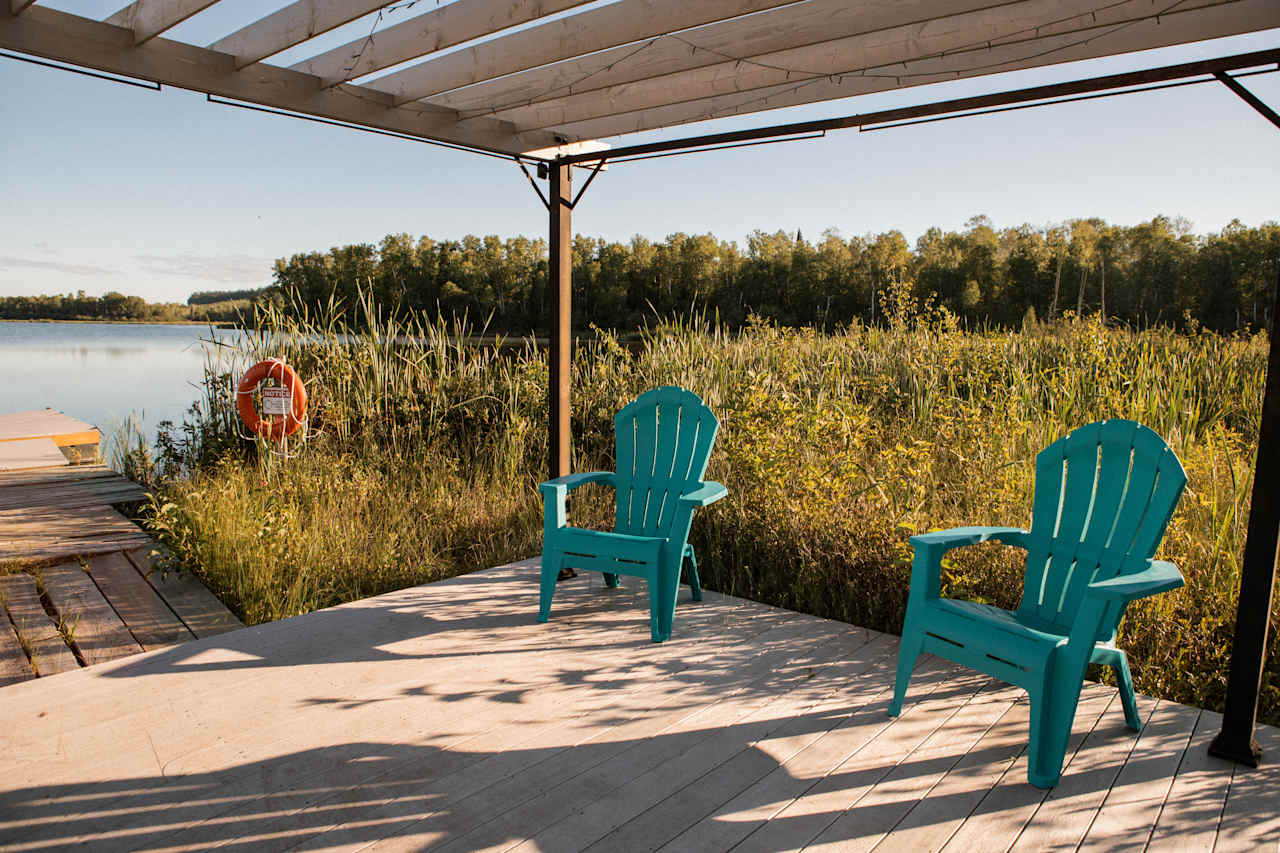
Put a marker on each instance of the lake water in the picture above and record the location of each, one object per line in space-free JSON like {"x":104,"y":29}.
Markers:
{"x":104,"y":373}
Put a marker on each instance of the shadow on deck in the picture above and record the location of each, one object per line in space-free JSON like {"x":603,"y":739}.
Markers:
{"x":443,"y":716}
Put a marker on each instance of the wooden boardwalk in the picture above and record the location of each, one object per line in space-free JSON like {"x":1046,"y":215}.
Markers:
{"x":444,"y":717}
{"x":81,"y":588}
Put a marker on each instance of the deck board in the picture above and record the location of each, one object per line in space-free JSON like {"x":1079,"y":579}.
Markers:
{"x":445,"y":716}
{"x":143,"y":611}
{"x":1132,"y":805}
{"x":1251,"y":815}
{"x":66,"y":487}
{"x":53,"y":532}
{"x":22,"y":600}
{"x":63,"y":430}
{"x":1188,"y":821}
{"x":14,"y":666}
{"x":198,"y":608}
{"x":21,"y":454}
{"x":96,"y":630}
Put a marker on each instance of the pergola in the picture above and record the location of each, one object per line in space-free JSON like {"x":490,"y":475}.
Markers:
{"x":539,"y":82}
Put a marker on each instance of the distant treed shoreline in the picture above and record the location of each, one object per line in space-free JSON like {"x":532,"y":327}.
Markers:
{"x":117,"y":308}
{"x":1153,"y":273}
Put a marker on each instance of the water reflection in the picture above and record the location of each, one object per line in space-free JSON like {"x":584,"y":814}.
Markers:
{"x":104,"y":373}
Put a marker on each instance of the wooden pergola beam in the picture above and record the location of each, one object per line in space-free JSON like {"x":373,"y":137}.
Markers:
{"x":592,"y":30}
{"x":461,"y":21}
{"x":1007,"y":34}
{"x":766,"y":32}
{"x":1241,"y":16}
{"x":64,"y":37}
{"x":291,"y":25}
{"x":956,"y":106}
{"x":150,"y":18}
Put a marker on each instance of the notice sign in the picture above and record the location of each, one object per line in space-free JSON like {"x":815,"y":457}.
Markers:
{"x":276,"y":401}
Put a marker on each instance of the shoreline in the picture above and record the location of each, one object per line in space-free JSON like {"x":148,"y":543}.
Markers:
{"x":221,"y":324}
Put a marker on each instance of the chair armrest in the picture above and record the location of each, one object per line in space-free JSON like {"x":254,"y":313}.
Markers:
{"x":708,"y":493}
{"x":569,"y":482}
{"x":1158,"y":576}
{"x":926,"y":569}
{"x":958,"y":537}
{"x":555,"y":495}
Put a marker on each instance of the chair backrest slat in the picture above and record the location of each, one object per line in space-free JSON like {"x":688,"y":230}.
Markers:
{"x":664,"y":441}
{"x":1104,"y":494}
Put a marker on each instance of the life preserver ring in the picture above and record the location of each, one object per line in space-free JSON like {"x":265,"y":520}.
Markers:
{"x":271,"y":426}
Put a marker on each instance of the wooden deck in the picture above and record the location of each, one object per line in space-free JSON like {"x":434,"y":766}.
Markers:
{"x":86,"y":590}
{"x":53,"y":513}
{"x":443,"y":716}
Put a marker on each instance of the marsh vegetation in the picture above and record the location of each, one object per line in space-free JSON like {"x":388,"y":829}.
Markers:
{"x":425,"y":453}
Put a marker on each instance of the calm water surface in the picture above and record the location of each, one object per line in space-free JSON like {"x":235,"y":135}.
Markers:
{"x":104,"y":373}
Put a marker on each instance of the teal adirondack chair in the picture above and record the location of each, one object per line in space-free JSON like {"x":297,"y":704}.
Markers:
{"x":1103,"y":497}
{"x":663,"y":442}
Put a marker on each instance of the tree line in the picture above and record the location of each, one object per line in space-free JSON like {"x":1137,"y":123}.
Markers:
{"x":113,"y":306}
{"x":1153,"y":273}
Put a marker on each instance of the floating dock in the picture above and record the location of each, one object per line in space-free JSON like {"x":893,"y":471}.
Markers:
{"x":37,"y":439}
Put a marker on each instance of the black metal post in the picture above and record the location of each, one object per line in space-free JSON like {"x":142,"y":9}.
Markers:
{"x":559,"y":282}
{"x":1257,"y":575}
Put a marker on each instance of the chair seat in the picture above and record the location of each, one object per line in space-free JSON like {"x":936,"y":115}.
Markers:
{"x":992,"y":631}
{"x":600,"y":550}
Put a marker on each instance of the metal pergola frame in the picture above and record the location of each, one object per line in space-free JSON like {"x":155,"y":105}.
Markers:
{"x":498,"y":80}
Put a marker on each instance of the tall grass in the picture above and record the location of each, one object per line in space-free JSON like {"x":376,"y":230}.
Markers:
{"x":426,"y":452}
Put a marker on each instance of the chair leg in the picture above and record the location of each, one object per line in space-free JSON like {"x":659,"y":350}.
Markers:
{"x":908,"y":653}
{"x":610,"y":580}
{"x":667,"y":584}
{"x":695,"y":586}
{"x":1042,"y":770}
{"x":655,"y":610}
{"x":1119,"y":663}
{"x":551,"y":561}
{"x":1053,"y":711}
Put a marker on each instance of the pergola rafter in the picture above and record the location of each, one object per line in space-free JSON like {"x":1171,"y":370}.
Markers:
{"x":871,"y":62}
{"x":294,"y":24}
{"x":556,"y":41}
{"x":750,"y":36}
{"x":494,"y":76}
{"x":150,"y":18}
{"x":512,"y":76}
{"x":445,"y":27}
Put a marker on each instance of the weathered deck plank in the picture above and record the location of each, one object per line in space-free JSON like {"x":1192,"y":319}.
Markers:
{"x":50,"y":651}
{"x":145,"y":614}
{"x":75,"y":485}
{"x":14,"y":666}
{"x":96,"y":631}
{"x":444,"y":715}
{"x":51,"y":532}
{"x":200,"y":610}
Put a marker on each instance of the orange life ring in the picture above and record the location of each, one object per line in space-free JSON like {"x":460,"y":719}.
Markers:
{"x":271,"y":426}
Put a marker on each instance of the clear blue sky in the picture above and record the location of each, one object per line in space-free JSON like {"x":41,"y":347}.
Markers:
{"x":107,"y":187}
